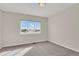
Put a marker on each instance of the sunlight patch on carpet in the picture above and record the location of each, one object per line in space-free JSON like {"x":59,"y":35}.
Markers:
{"x":16,"y":52}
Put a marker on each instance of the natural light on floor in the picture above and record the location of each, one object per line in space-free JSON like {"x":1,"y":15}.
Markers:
{"x":17,"y":52}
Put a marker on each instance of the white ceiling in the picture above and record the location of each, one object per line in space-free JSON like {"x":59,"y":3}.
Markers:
{"x":34,"y":8}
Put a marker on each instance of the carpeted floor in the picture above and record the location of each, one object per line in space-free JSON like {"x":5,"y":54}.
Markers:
{"x":38,"y":49}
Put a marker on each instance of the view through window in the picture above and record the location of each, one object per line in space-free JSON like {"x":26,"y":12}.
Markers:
{"x":29,"y":27}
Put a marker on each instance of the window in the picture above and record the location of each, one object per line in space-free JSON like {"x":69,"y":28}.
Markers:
{"x":30,"y":27}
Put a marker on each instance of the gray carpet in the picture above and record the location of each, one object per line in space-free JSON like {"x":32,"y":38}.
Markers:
{"x":50,"y":49}
{"x":40,"y":49}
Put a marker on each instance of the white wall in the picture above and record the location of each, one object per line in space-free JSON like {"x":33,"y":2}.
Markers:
{"x":11,"y":32}
{"x":64,"y":28}
{"x":1,"y":28}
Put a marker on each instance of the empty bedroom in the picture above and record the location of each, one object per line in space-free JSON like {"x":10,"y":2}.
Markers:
{"x":39,"y":29}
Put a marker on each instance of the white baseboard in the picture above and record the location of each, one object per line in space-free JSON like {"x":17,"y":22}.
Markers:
{"x":65,"y":46}
{"x":24,"y":43}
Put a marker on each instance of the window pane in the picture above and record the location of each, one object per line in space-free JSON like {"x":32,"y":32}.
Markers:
{"x":30,"y":26}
